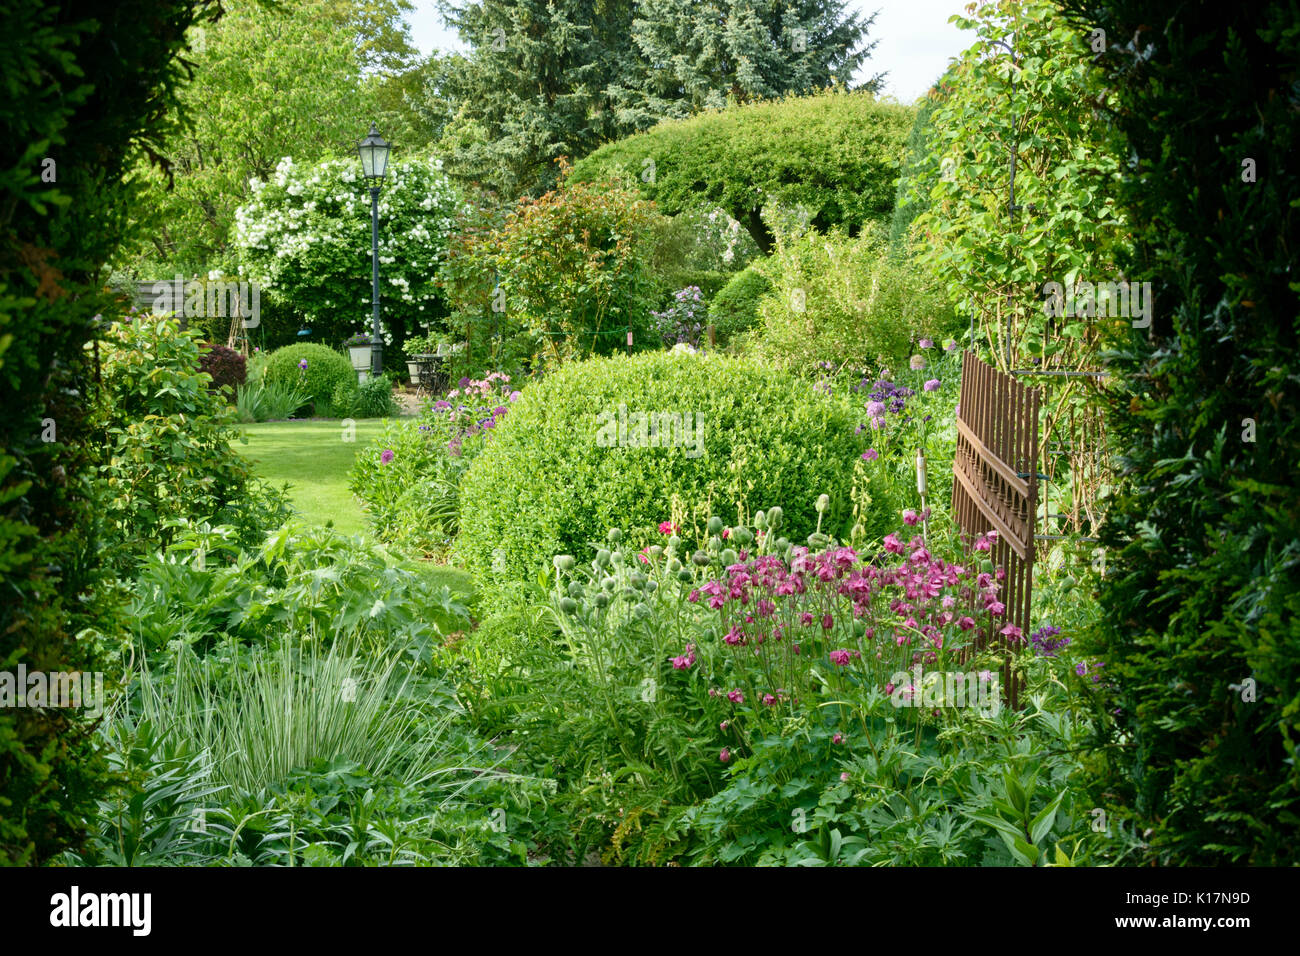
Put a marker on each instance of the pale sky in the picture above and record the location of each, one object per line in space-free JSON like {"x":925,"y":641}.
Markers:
{"x":916,"y":40}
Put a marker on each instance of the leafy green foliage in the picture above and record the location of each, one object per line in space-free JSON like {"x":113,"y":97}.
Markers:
{"x":835,"y":155}
{"x":1202,"y":638}
{"x":166,"y":456}
{"x":269,"y":82}
{"x":409,"y":478}
{"x":326,"y":372}
{"x":83,"y":92}
{"x":572,"y":271}
{"x":545,"y":484}
{"x":259,"y":401}
{"x":841,"y":300}
{"x":693,"y":57}
{"x":734,"y":310}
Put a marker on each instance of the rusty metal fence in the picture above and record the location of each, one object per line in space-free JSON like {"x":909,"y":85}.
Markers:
{"x":995,"y":488}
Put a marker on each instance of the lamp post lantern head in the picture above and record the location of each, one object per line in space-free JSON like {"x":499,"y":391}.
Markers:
{"x":374,"y":156}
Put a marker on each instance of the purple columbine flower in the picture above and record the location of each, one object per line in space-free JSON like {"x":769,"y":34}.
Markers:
{"x":464,"y":381}
{"x":870,"y":455}
{"x":302,"y":364}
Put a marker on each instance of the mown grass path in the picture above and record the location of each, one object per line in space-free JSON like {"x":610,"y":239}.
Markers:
{"x":313,"y":457}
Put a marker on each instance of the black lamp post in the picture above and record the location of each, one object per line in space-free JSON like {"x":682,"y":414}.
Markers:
{"x":374,"y":164}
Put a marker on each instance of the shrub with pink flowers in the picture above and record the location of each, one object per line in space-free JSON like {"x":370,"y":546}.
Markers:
{"x":746,"y":678}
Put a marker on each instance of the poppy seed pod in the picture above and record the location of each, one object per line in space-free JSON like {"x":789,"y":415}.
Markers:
{"x":617,"y":558}
{"x":568,"y":605}
{"x":602,"y":558}
{"x":614,"y":536}
{"x":774,"y":516}
{"x":728,"y":557}
{"x":700,"y":558}
{"x":760,"y":521}
{"x":601,"y":600}
{"x":715,"y":525}
{"x":563,"y":562}
{"x":823,"y":502}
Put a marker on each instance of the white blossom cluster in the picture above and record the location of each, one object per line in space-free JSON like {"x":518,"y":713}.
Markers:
{"x":305,"y":234}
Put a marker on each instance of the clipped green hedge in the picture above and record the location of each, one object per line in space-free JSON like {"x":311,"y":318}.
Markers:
{"x":327,"y":373}
{"x":545,"y":485}
{"x":1202,"y":591}
{"x":735,"y":308}
{"x":837,"y":154}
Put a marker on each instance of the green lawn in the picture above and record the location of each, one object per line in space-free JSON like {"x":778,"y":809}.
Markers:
{"x":313,"y":457}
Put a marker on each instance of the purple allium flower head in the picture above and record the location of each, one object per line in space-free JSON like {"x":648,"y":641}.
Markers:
{"x":932,"y":385}
{"x":927,"y":343}
{"x":386,"y":456}
{"x":870,"y":454}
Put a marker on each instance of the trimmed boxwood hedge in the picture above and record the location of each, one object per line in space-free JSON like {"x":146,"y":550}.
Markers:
{"x":544,"y":486}
{"x":837,"y":154}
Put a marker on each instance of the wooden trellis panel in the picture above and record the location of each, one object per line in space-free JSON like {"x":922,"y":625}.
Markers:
{"x":995,"y":488}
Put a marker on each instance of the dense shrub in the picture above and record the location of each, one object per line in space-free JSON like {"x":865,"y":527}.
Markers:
{"x":547,"y":484}
{"x":735,"y":308}
{"x":837,"y":155}
{"x":226,"y":366}
{"x":573,"y":270}
{"x":841,"y":300}
{"x":167,"y":458}
{"x":699,"y":247}
{"x":84,"y":90}
{"x":1202,"y":594}
{"x":317,"y":369}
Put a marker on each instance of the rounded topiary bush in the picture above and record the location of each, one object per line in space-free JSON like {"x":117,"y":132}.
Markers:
{"x":558,"y":473}
{"x":326,"y":372}
{"x":735,"y":308}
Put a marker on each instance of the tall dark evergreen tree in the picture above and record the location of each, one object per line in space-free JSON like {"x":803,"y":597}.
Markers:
{"x":559,"y":77}
{"x":532,"y":90}
{"x":693,"y":56}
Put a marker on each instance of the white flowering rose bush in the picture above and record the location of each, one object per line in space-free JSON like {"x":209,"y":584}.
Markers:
{"x":304,"y":237}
